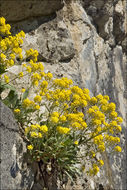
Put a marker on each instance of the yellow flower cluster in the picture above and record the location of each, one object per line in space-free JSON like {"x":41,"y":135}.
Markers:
{"x":4,"y":28}
{"x":36,"y":131}
{"x":94,"y":170}
{"x":43,"y":128}
{"x":32,"y":54}
{"x":63,"y":130}
{"x":55,"y":117}
{"x":30,"y":147}
{"x":27,"y":103}
{"x":37,"y":98}
{"x":111,"y":140}
{"x":10,"y":48}
{"x":98,"y":140}
{"x":70,"y":111}
{"x":63,"y":83}
{"x":11,"y":53}
{"x":101,"y":162}
{"x":66,"y":98}
{"x":6,"y":78}
{"x":118,"y":149}
{"x":17,"y":110}
{"x":95,"y":167}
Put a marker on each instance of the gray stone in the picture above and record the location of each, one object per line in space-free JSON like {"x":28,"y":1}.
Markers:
{"x":14,"y":172}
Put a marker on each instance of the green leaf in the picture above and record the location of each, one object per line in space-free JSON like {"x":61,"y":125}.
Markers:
{"x":11,"y":99}
{"x":2,"y":70}
{"x":69,"y":176}
{"x":6,"y":86}
{"x":30,"y":110}
{"x":1,"y":89}
{"x":25,"y":94}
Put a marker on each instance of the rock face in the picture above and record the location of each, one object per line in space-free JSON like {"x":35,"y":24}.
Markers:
{"x":21,"y":10}
{"x":13,"y":170}
{"x":85,"y":41}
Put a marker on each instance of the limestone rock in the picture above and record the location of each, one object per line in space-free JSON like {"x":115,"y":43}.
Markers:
{"x":20,"y":10}
{"x":14,"y":171}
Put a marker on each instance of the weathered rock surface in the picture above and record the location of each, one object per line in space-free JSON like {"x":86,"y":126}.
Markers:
{"x":85,"y":41}
{"x":20,"y":10}
{"x":14,"y":172}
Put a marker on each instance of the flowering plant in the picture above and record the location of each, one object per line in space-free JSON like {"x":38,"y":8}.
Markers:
{"x":62,"y":124}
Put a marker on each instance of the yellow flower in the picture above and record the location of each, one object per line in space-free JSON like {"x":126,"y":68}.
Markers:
{"x":76,"y":142}
{"x":37,"y":107}
{"x":118,"y":128}
{"x":34,"y":127}
{"x":2,"y":21}
{"x":113,"y":114}
{"x":2,"y":56}
{"x":6,"y":78}
{"x":11,"y":62}
{"x":93,"y":100}
{"x":20,"y":56}
{"x":95,"y":169}
{"x":44,"y":84}
{"x":116,"y":139}
{"x":54,"y":119}
{"x":111,"y":106}
{"x":27,"y":129}
{"x":106,"y":97}
{"x":84,"y":103}
{"x":20,"y":74}
{"x":42,"y":93}
{"x":48,"y":76}
{"x":28,"y":69}
{"x":48,"y":97}
{"x":30,"y":147}
{"x":44,"y":128}
{"x":35,"y":83}
{"x":21,"y":34}
{"x":118,"y":149}
{"x":76,"y":125}
{"x":34,"y":134}
{"x":23,"y":90}
{"x":103,"y":108}
{"x":26,"y":102}
{"x":24,"y":64}
{"x":39,"y":135}
{"x":99,"y":97}
{"x":65,"y":106}
{"x":96,"y":122}
{"x":119,"y":119}
{"x":86,"y":91}
{"x":17,"y":110}
{"x":36,"y":76}
{"x":113,"y":123}
{"x":101,"y":162}
{"x":62,"y":118}
{"x":63,"y":130}
{"x":101,"y":147}
{"x":40,"y":66}
{"x":42,"y":74}
{"x":93,"y":154}
{"x":104,"y":102}
{"x":55,"y":114}
{"x":37,"y":98}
